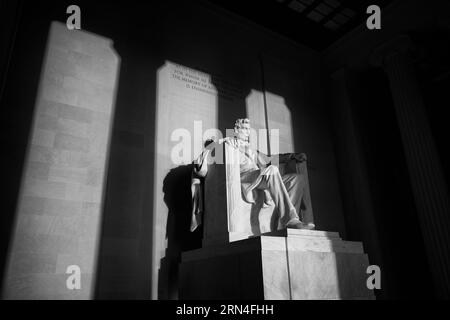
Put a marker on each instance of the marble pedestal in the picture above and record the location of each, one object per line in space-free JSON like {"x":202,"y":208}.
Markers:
{"x":286,"y":264}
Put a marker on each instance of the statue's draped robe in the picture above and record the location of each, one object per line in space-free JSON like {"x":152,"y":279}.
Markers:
{"x":257,"y":177}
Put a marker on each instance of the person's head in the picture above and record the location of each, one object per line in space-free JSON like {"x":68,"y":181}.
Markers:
{"x":242,"y":129}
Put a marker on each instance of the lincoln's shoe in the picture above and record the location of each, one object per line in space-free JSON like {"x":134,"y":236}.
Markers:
{"x":297,"y":224}
{"x":309,"y":226}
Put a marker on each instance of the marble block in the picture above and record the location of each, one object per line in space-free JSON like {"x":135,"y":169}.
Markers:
{"x":287,"y":264}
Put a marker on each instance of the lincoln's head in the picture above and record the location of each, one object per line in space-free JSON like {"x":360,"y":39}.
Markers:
{"x":242,"y":129}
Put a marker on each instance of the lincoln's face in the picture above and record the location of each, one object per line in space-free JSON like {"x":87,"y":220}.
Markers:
{"x":243,"y":131}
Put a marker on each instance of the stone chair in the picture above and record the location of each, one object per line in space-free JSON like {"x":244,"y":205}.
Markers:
{"x":227,"y":217}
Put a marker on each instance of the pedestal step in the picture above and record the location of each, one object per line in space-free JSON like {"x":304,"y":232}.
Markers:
{"x":237,"y":236}
{"x":287,"y":264}
{"x":303,"y":233}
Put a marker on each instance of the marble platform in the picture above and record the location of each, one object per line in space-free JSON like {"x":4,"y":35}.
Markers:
{"x":288,"y":264}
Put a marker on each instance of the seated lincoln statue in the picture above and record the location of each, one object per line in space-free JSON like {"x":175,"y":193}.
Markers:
{"x":259,"y":177}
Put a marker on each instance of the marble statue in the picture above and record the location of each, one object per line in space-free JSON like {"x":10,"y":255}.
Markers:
{"x":259,"y":178}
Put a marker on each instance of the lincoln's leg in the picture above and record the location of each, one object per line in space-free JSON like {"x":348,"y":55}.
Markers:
{"x":273,"y":181}
{"x":294,"y":184}
{"x":307,"y":213}
{"x":296,"y":188}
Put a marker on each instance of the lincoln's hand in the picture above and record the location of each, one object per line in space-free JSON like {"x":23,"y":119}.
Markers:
{"x":283,"y":157}
{"x":300,"y":157}
{"x":286,"y":157}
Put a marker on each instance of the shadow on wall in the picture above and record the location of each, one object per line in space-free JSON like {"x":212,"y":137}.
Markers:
{"x":378,"y":143}
{"x":401,"y":238}
{"x":125,"y":250}
{"x":124,"y":260}
{"x":18,"y":91}
{"x":177,"y":197}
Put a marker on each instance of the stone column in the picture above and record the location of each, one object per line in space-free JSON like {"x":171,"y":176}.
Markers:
{"x":426,"y":174}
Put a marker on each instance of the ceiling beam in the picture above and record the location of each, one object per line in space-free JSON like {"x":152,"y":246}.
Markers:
{"x":311,"y":7}
{"x":332,"y":14}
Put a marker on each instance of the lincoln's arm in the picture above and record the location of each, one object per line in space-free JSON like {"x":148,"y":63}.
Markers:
{"x":263,"y":159}
{"x":281,"y":158}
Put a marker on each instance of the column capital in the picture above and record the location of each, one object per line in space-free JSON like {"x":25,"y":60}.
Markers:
{"x":399,"y":45}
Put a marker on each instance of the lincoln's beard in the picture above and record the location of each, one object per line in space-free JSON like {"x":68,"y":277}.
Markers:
{"x":243,"y":138}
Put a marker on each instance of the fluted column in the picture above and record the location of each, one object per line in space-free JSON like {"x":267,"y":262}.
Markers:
{"x":427,"y":177}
